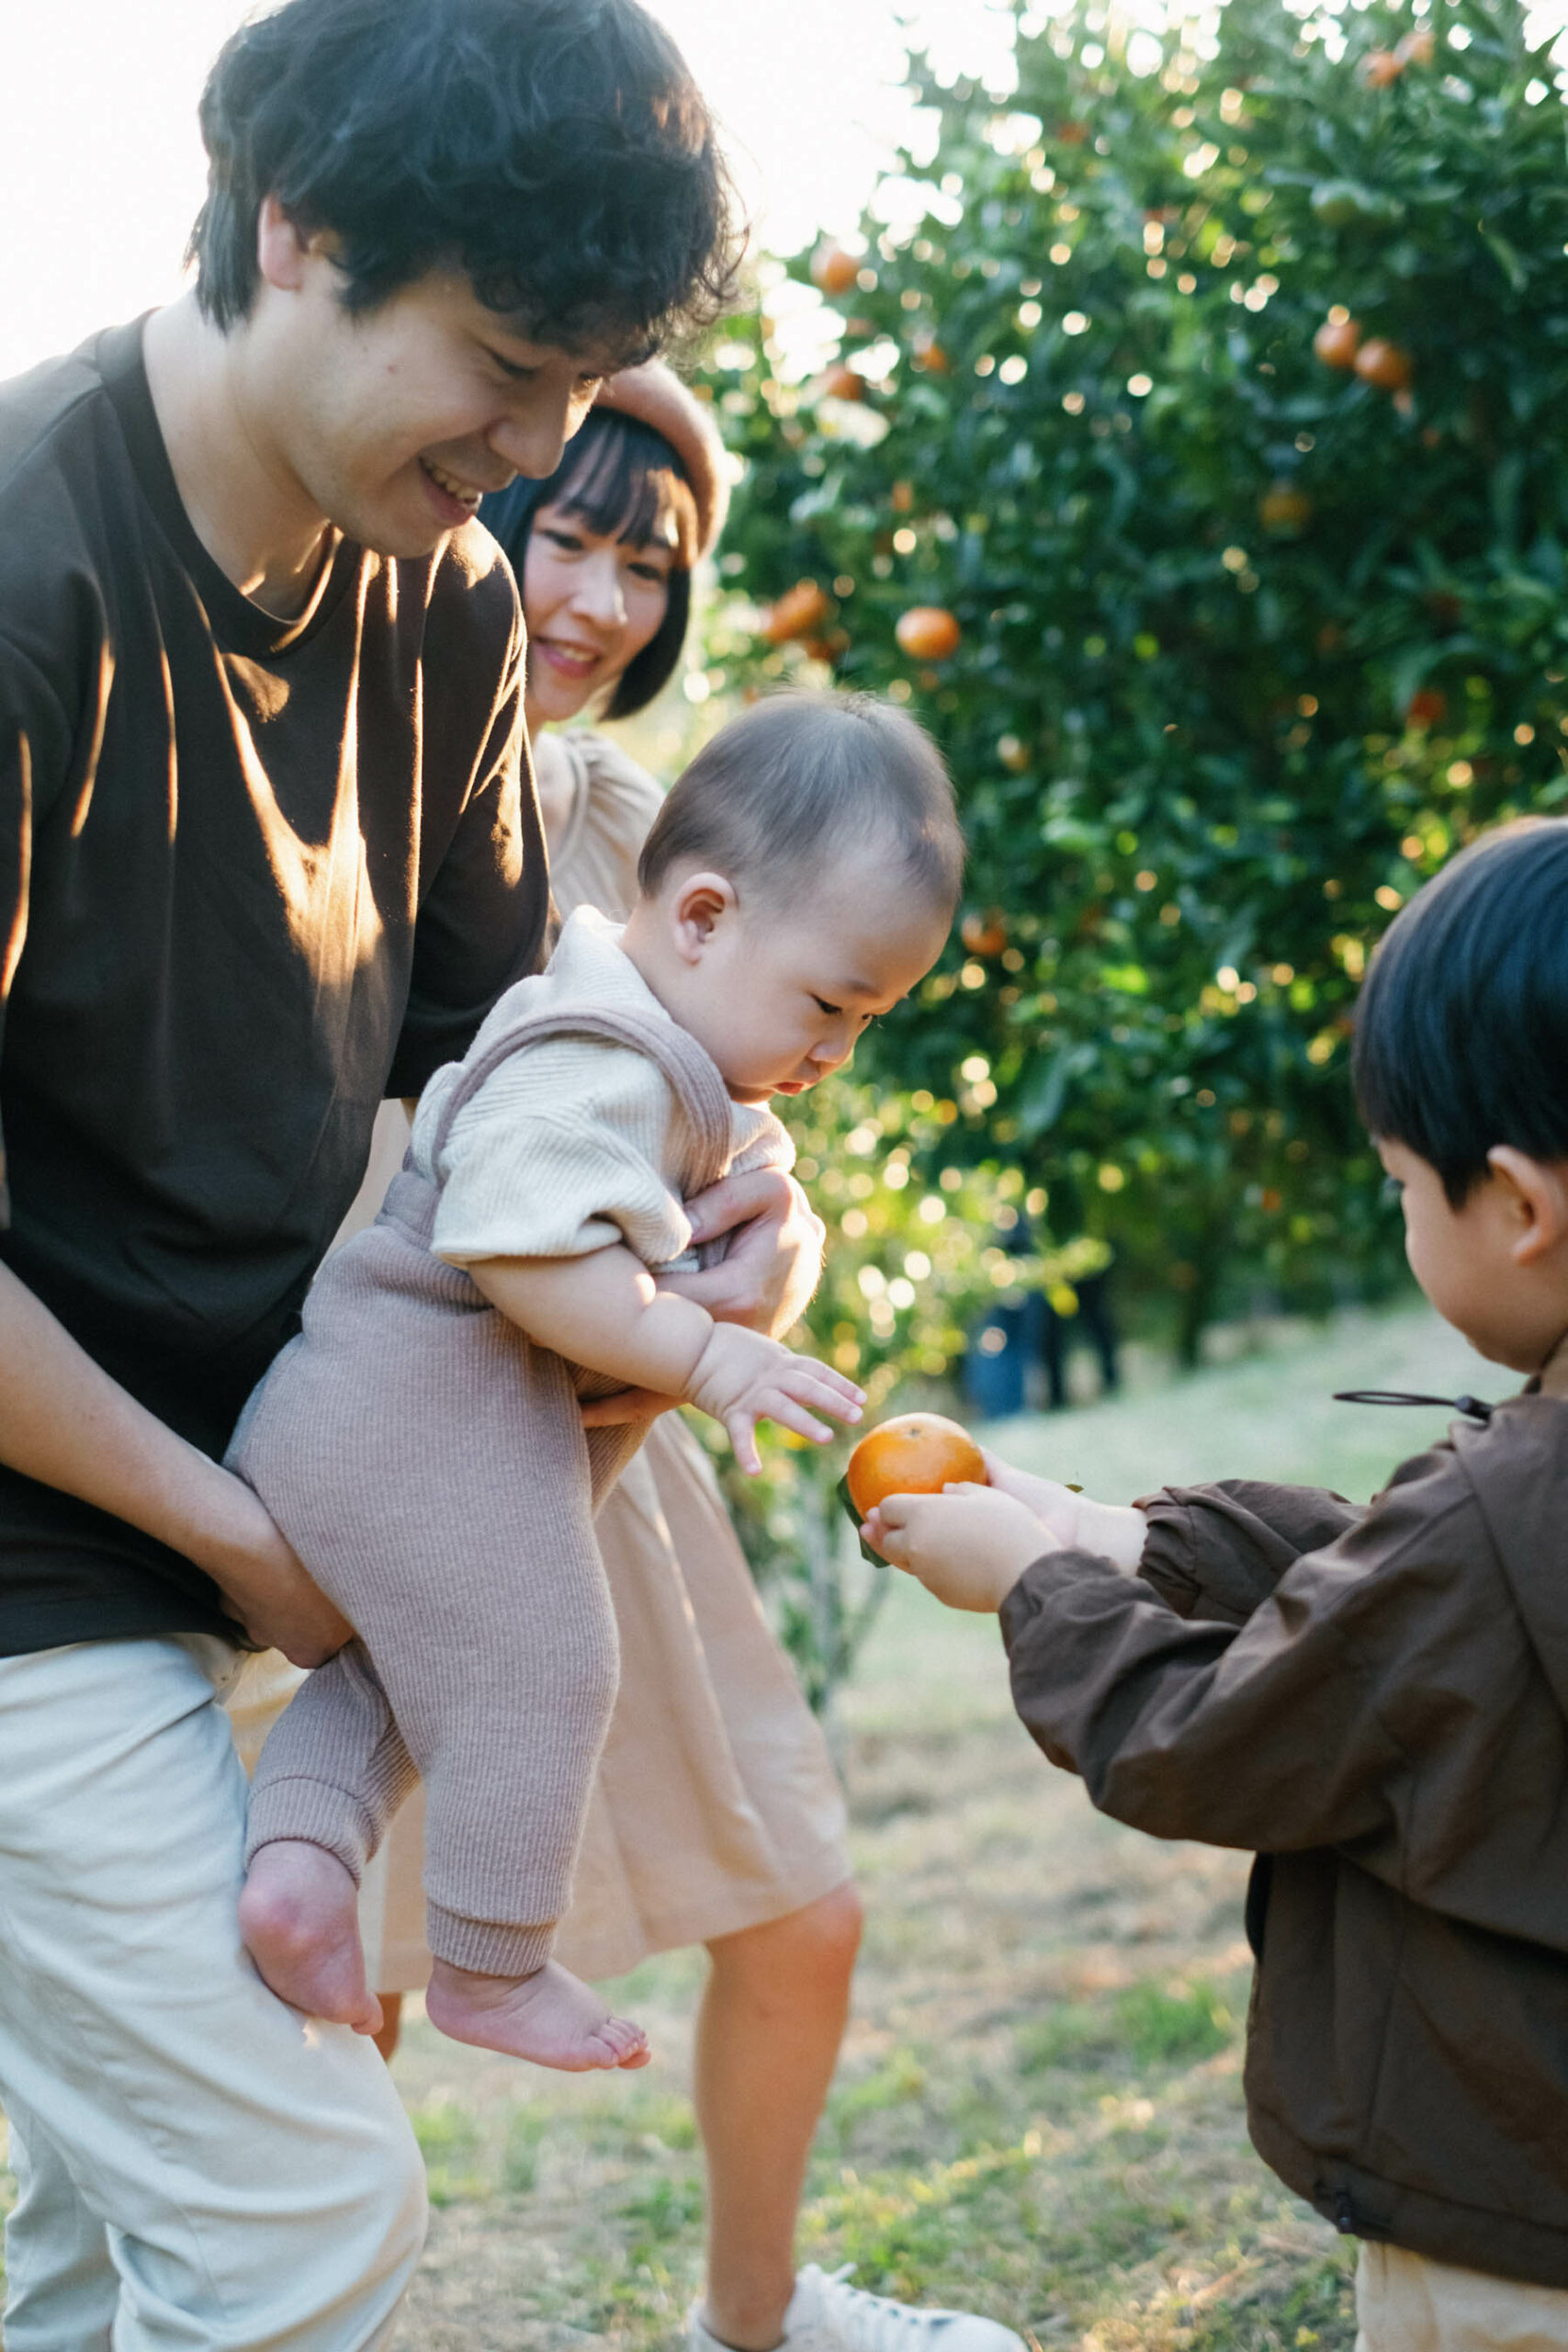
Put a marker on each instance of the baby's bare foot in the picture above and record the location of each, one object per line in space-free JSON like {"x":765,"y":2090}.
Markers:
{"x":300,"y":1920}
{"x":551,"y":2017}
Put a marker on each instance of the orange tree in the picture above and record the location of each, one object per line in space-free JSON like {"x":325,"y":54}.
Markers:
{"x":1232,"y":643}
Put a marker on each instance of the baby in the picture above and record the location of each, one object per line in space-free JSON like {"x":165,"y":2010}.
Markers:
{"x":421,"y":1443}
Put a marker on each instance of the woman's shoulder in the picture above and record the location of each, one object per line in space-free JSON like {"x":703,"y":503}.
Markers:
{"x":614,"y":777}
{"x":617,"y":802}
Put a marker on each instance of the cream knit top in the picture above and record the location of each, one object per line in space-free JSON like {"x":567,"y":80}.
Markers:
{"x":575,"y":1143}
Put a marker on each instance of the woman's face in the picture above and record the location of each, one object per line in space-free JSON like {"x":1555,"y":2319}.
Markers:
{"x":591,"y":602}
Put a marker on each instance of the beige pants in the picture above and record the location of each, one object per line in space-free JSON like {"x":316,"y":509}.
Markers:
{"x":1406,"y":2303}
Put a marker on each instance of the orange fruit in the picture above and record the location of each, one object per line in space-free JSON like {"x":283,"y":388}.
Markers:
{"x":844,"y":384}
{"x":1284,"y":509}
{"x":926,"y":354}
{"x":1426,"y":707}
{"x":1384,"y":364}
{"x":799,"y":611}
{"x":928,"y":632}
{"x":1417,"y":48}
{"x":918,"y":1454}
{"x":1336,"y":342}
{"x":984,"y":934}
{"x":833,"y":271}
{"x":1382,"y":66}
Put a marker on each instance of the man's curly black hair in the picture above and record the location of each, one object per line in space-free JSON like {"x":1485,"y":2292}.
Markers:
{"x":557,"y":150}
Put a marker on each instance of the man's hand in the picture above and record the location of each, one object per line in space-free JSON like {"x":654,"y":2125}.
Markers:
{"x":263,"y":1584}
{"x":774,"y":1258}
{"x":743,"y":1377}
{"x":765,"y":1279}
{"x":968,"y":1545}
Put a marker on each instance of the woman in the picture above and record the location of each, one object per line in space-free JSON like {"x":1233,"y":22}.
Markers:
{"x":717,"y":1817}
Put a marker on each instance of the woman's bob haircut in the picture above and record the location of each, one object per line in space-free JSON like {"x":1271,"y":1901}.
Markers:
{"x":622,"y":480}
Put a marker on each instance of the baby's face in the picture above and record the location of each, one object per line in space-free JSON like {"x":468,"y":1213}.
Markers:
{"x":781,"y":996}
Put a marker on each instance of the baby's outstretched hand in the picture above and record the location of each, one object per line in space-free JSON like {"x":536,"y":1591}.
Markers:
{"x":968,"y":1545}
{"x":742,"y":1377}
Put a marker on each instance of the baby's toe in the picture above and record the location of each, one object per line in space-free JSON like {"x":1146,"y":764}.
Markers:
{"x":627,"y":2040}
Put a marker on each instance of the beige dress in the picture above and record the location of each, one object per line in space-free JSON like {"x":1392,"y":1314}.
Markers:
{"x":717,"y":1806}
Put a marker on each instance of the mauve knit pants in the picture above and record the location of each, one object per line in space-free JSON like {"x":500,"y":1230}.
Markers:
{"x":429,"y":1465}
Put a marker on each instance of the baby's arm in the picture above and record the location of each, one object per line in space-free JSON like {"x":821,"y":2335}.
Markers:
{"x":603,"y":1312}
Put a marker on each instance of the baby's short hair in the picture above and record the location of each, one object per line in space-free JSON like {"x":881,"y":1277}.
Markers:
{"x":1461,"y":1029}
{"x":801,"y":779}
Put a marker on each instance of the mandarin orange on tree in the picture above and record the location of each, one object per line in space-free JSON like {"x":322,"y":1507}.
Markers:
{"x":918,"y":1453}
{"x":984,"y":934}
{"x":833,"y":271}
{"x":798,"y":613}
{"x":1386,"y":365}
{"x":1336,"y":342}
{"x":928,"y":632}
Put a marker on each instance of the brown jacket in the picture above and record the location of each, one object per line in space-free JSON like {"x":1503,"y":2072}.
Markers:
{"x":1377,"y":1701}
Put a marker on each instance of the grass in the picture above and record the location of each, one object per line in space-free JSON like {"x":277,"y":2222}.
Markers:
{"x":1038,"y":2113}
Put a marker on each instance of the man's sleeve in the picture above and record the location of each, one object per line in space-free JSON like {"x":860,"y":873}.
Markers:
{"x":34,"y":747}
{"x":1281,"y":1735}
{"x":482,"y":921}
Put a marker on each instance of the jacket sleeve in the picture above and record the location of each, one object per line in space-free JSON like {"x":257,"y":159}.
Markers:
{"x":1291,"y":1731}
{"x":1218,"y":1551}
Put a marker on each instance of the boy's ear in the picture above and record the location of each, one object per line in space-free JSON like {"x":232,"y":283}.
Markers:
{"x":1540,"y":1188}
{"x":702,"y":902}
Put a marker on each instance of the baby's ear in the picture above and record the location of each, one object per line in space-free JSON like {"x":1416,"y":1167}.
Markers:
{"x":702,"y":903}
{"x":1539,"y":1200}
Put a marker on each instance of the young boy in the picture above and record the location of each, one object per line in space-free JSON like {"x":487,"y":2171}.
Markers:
{"x":421,"y":1443}
{"x":1376,"y":1700}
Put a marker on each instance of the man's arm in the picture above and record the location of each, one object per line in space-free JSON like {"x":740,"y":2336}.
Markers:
{"x":62,"y":1420}
{"x":65,"y":1422}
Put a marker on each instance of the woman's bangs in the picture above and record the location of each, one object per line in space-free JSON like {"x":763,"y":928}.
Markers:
{"x":628,"y":484}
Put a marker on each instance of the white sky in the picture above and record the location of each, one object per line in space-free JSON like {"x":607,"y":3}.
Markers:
{"x":101,"y":166}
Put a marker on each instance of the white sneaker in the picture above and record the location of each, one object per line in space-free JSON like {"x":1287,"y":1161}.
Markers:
{"x":826,"y":2314}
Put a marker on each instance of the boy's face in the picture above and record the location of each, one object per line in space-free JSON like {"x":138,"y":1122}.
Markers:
{"x":781,"y":996}
{"x":394,"y":424}
{"x":1496,"y":1268}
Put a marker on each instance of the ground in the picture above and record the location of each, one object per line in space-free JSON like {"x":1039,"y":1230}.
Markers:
{"x":1038,"y":2113}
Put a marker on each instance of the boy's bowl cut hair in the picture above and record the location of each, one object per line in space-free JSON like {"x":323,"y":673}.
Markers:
{"x":558,"y":152}
{"x":623,"y":480}
{"x":1462,"y":1027}
{"x":800,"y":780}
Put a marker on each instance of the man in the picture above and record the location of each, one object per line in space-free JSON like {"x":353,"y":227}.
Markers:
{"x":268,"y":851}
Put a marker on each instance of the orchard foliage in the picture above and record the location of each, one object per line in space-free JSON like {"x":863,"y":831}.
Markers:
{"x":1246,"y":643}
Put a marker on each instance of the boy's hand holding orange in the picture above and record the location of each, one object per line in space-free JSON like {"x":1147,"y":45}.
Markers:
{"x":921,"y":1483}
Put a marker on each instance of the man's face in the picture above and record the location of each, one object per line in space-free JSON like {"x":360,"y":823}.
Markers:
{"x":394,"y":424}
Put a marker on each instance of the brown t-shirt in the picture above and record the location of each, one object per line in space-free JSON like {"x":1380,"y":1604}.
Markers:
{"x":254,"y":877}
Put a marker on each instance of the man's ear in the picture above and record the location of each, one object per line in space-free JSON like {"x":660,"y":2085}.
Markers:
{"x":703,"y":903}
{"x":284,"y":253}
{"x":1539,"y":1203}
